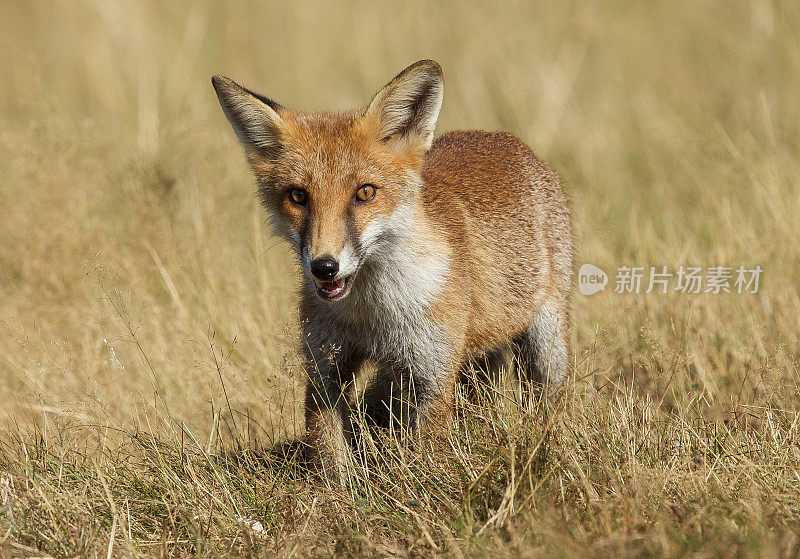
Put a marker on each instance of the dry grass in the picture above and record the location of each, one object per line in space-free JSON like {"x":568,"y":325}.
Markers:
{"x":147,"y":328}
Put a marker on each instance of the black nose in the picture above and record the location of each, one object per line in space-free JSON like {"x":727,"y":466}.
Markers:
{"x":324,"y":268}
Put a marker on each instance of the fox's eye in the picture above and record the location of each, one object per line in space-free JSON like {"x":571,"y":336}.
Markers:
{"x":365,"y":192}
{"x":298,"y":196}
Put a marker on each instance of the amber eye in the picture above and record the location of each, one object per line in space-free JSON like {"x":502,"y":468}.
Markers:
{"x":298,"y":196}
{"x":365,"y":192}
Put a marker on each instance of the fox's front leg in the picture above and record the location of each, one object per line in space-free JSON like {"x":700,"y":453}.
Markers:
{"x":331,"y":374}
{"x":415,"y":391}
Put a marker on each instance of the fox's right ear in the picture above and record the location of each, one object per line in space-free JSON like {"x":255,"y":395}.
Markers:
{"x":254,"y":118}
{"x":407,"y":108}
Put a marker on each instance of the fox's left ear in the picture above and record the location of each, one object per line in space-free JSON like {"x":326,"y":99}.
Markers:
{"x":406,"y":108}
{"x":254,"y":118}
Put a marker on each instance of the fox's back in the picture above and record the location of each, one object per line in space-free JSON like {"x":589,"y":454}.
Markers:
{"x":506,"y":217}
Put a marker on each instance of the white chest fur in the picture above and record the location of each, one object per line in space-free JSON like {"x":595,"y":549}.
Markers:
{"x":385,"y":315}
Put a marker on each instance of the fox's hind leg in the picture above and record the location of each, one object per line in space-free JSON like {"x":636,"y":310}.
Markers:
{"x":542,"y":353}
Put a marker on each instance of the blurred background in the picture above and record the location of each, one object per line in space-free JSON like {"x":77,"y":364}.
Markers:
{"x":138,"y":278}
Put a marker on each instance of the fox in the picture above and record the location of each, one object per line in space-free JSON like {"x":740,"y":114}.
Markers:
{"x":418,"y":255}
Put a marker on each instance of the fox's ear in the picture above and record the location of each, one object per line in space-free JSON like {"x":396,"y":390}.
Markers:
{"x":254,"y":118}
{"x":407,"y":107}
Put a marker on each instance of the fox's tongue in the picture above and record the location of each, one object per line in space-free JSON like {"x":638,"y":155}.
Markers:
{"x":332,"y":285}
{"x":332,"y":289}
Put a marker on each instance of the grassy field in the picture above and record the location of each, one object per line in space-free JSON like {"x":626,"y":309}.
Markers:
{"x":148,"y":353}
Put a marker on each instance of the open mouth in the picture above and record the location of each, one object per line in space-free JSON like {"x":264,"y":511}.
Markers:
{"x":333,"y":290}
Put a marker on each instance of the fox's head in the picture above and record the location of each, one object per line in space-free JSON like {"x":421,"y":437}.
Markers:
{"x":339,"y":187}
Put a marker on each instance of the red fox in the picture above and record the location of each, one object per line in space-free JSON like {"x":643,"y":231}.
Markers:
{"x":417,"y":254}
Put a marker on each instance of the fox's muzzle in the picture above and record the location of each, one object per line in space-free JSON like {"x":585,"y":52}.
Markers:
{"x":324,"y":268}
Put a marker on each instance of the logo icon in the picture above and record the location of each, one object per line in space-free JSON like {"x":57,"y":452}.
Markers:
{"x":591,"y":279}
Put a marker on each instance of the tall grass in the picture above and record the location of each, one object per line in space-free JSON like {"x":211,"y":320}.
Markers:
{"x":148,"y":353}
